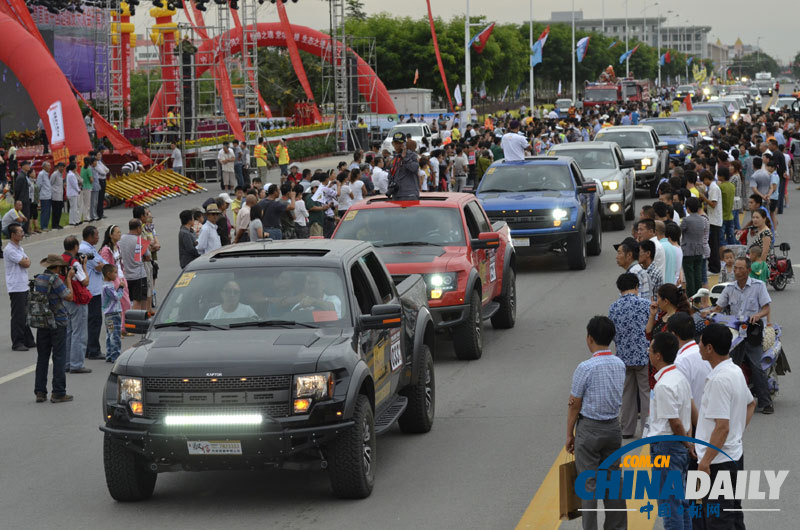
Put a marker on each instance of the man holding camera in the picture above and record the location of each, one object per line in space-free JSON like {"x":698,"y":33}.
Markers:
{"x":404,"y":174}
{"x":94,"y":266}
{"x":77,"y":308}
{"x":747,"y":299}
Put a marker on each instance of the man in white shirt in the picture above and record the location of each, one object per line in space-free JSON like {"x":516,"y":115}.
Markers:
{"x":208,"y":239}
{"x":227,"y":158}
{"x":725,"y":412}
{"x":100,"y":171}
{"x":380,"y":177}
{"x":177,"y":159}
{"x":712,"y":202}
{"x":670,"y":414}
{"x":17,"y":264}
{"x":689,"y":361}
{"x":513,"y":143}
{"x":243,"y":219}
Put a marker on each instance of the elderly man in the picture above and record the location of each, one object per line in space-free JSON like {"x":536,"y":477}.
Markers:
{"x":208,"y":239}
{"x":243,"y":219}
{"x":747,"y":299}
{"x":45,"y":196}
{"x":17,"y":263}
{"x":593,"y":429}
{"x":94,"y":266}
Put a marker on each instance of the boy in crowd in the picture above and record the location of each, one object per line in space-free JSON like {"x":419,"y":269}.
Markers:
{"x":759,"y":269}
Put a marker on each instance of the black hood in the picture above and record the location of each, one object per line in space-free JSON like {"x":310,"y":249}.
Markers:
{"x":240,"y":352}
{"x":410,"y":254}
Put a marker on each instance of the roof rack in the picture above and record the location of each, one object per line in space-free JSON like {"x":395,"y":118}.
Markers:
{"x":421,"y":198}
{"x":271,"y":252}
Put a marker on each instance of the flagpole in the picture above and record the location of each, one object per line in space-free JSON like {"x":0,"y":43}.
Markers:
{"x":573,"y":53}
{"x":467,"y":72}
{"x":659,"y":48}
{"x":627,"y":67}
{"x":530,"y":62}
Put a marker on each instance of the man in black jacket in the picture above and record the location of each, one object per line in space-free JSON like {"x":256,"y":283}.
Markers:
{"x":187,"y":242}
{"x":22,"y":191}
{"x":404,"y":173}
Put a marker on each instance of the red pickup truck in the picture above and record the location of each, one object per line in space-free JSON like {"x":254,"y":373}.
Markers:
{"x":468,"y":263}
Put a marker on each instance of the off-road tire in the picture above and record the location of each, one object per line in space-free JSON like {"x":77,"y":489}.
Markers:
{"x":506,"y":316}
{"x":468,"y":337}
{"x":350,"y":475}
{"x":595,"y":246}
{"x":576,"y":250}
{"x":630,"y":214}
{"x":419,"y":414}
{"x":127,"y":477}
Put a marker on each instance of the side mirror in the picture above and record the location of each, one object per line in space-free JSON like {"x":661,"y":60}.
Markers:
{"x":589,"y":187}
{"x":693,"y":134}
{"x":383,"y":316}
{"x":486,"y":240}
{"x":628,"y":164}
{"x":137,"y":321}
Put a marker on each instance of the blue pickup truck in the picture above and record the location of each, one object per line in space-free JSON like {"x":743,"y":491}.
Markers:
{"x":680,"y":138}
{"x":548,"y":205}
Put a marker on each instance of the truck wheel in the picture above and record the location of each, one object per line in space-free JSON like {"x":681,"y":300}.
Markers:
{"x":351,"y":456}
{"x":468,"y":337}
{"x":576,"y":250}
{"x":630,"y":214}
{"x":595,"y":246}
{"x":127,"y":478}
{"x":506,"y":316}
{"x":418,"y":416}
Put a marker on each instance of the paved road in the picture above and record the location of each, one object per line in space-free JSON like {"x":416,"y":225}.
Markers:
{"x":498,"y":433}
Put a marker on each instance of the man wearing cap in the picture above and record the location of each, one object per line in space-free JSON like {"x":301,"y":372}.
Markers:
{"x":628,"y":259}
{"x":57,"y":194}
{"x":227,"y":158}
{"x":404,"y":175}
{"x":208,"y":239}
{"x":513,"y":143}
{"x":51,"y":341}
{"x":316,"y":217}
{"x":16,"y":265}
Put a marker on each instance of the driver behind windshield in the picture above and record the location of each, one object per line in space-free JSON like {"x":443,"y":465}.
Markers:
{"x":315,"y":298}
{"x":230,"y":307}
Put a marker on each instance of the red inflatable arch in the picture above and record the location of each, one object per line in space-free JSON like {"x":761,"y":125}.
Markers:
{"x":41,"y":77}
{"x":308,"y":40}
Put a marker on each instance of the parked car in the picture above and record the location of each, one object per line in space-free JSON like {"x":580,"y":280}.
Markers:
{"x":270,"y":354}
{"x":419,"y":132}
{"x":468,"y":264}
{"x":548,"y":204}
{"x":605,"y":163}
{"x":640,"y":143}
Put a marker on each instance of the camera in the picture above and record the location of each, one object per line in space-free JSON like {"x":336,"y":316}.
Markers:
{"x":80,"y":255}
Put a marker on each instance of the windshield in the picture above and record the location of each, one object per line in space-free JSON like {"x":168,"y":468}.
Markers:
{"x":696,"y":121}
{"x":754,"y":92}
{"x":413,"y":130}
{"x":526,"y":177}
{"x":589,"y":158}
{"x":630,"y":90}
{"x":393,"y":226}
{"x":668,"y":128}
{"x":307,"y":295}
{"x":628,"y":139}
{"x":786,"y":102}
{"x":563,"y":103}
{"x":716,"y":110}
{"x":686,"y":88}
{"x":602,"y":94}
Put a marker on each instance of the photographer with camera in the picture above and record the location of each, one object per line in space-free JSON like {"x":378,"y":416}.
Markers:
{"x":404,"y":172}
{"x":77,"y":308}
{"x":94,"y":267}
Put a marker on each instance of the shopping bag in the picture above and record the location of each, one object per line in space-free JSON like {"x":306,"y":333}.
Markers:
{"x":568,"y":500}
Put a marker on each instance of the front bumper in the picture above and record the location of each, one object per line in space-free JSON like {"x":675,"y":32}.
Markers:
{"x":449,"y":316}
{"x":645,"y":176}
{"x":540,"y":240}
{"x":270,"y":445}
{"x":608,"y":200}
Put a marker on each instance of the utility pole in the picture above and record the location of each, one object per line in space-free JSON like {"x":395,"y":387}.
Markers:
{"x":467,"y":72}
{"x":658,"y":38}
{"x":603,"y":14}
{"x":530,"y":65}
{"x":627,"y":59}
{"x":574,"y":101}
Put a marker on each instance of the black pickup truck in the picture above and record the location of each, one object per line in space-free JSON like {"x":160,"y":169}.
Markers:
{"x":271,"y":354}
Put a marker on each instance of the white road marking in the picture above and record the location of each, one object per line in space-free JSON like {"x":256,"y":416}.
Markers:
{"x":18,"y":373}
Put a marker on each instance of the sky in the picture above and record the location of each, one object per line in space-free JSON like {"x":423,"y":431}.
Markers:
{"x":728,"y":19}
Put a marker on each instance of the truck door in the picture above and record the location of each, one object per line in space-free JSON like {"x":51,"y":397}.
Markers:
{"x":373,"y":344}
{"x":491,"y":280}
{"x":480,"y":257}
{"x":397,"y":353}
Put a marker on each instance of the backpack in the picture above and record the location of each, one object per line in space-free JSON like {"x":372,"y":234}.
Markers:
{"x":40,"y":314}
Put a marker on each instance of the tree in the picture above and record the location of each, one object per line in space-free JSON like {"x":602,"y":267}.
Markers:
{"x":795,"y":66}
{"x":278,"y":82}
{"x":355,"y":10}
{"x":141,"y":96}
{"x":752,"y":63}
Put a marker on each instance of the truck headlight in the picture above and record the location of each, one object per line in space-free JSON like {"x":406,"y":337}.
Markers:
{"x":559,"y":214}
{"x":647,"y":162}
{"x":440,"y":282}
{"x":610,"y":185}
{"x":310,"y":387}
{"x":129,"y":392}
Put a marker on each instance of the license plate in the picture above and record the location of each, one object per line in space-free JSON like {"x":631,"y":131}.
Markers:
{"x":521,"y":242}
{"x":203,"y":448}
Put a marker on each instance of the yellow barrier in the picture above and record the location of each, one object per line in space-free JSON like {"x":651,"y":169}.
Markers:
{"x":141,"y":189}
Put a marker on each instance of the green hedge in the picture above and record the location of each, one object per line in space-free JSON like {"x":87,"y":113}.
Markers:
{"x":307,"y":147}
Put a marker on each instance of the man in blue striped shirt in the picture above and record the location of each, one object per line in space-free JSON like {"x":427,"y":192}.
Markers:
{"x":593,"y":428}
